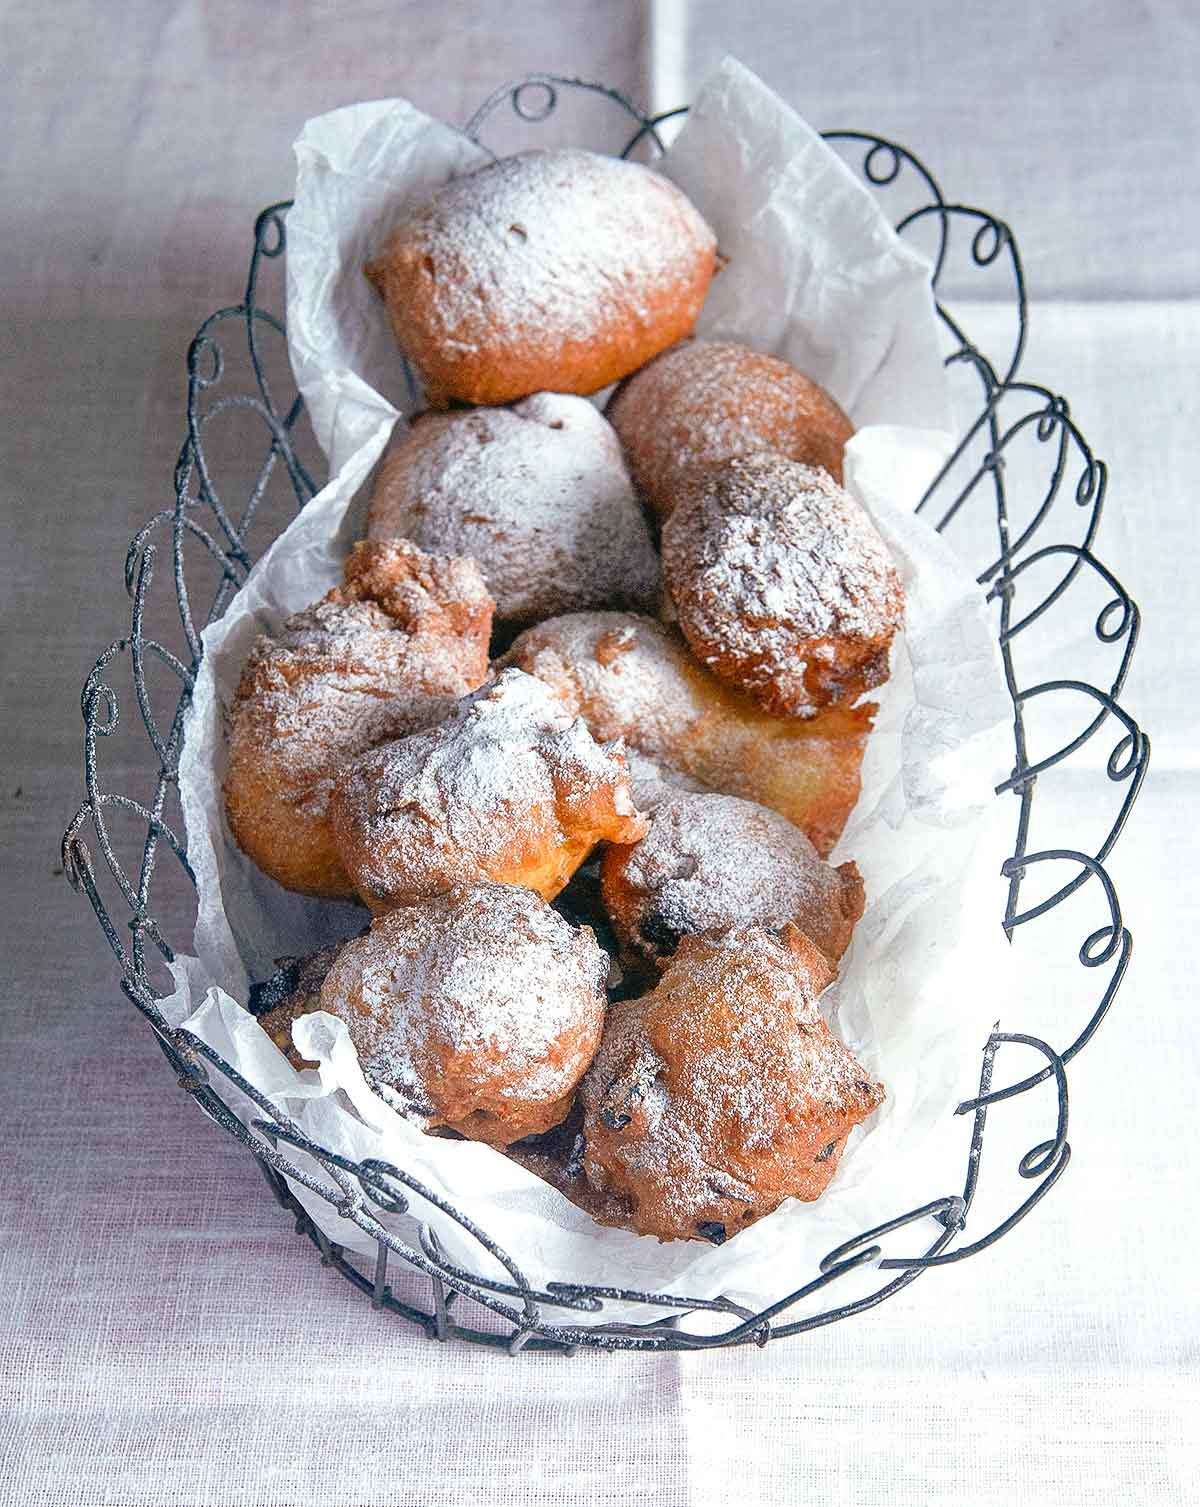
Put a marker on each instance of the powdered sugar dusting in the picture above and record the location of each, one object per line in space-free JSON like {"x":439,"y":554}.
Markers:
{"x":714,"y":861}
{"x":624,"y":673}
{"x":784,"y":549}
{"x":713,"y":1098}
{"x":537,"y":494}
{"x":471,"y":999}
{"x":512,"y":768}
{"x":556,"y":242}
{"x":706,"y":401}
{"x":652,"y":782}
{"x":337,"y":679}
{"x":634,"y":678}
{"x":386,"y":654}
{"x":394,"y":646}
{"x":771,"y":565}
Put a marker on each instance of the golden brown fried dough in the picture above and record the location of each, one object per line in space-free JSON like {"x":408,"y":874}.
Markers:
{"x":710,"y":862}
{"x":723,"y":1092}
{"x":538,"y":495}
{"x":512,"y":787}
{"x":709,"y":400}
{"x":781,"y":584}
{"x":552,"y":271}
{"x":632,"y":678}
{"x":479,"y":1009}
{"x":382,"y":655}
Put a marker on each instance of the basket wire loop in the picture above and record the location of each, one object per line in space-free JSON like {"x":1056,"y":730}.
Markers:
{"x":380,"y":1198}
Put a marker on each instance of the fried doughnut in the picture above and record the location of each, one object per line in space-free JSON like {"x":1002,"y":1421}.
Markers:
{"x":479,"y":1009}
{"x":713,"y":861}
{"x":781,"y":584}
{"x":723,"y":1092}
{"x":544,"y":272}
{"x":538,"y":495}
{"x":632,"y":678}
{"x":512,"y":787}
{"x":384,"y":654}
{"x":709,"y":400}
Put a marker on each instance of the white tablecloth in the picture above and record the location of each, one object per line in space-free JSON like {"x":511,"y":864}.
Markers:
{"x":164,"y":1337}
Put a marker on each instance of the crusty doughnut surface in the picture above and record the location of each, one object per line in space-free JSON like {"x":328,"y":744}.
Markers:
{"x":511,"y":787}
{"x":709,"y":400}
{"x":538,"y":495}
{"x":781,"y":583}
{"x":557,"y":271}
{"x":479,"y":1009}
{"x":710,"y":862}
{"x":384,"y":654}
{"x":632,"y":678}
{"x":723,"y":1092}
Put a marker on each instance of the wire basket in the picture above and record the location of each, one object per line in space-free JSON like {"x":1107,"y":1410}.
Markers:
{"x":1041,"y":521}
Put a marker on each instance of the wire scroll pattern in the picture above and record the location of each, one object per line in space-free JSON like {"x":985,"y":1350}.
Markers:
{"x":1039,"y":548}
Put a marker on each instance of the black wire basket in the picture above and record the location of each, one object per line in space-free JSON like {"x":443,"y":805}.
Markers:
{"x":1042,"y":519}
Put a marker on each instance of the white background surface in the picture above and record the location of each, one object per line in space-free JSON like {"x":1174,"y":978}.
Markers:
{"x":164,"y":1337}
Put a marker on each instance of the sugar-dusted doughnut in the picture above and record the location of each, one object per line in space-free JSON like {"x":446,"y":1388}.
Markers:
{"x":709,"y":400}
{"x":723,"y":1092}
{"x":710,"y":862}
{"x":479,"y":1009}
{"x":538,"y":495}
{"x":511,"y":787}
{"x":556,"y":271}
{"x":632,"y":678}
{"x":387,"y":652}
{"x":781,"y":583}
